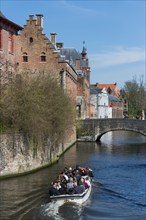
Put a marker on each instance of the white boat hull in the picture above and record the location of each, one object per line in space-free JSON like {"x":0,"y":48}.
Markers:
{"x":77,"y":198}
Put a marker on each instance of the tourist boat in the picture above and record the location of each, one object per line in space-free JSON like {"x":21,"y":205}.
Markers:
{"x":77,"y":198}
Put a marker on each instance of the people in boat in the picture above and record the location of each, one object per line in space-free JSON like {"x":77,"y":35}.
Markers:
{"x":63,"y":177}
{"x":84,"y":183}
{"x":77,"y":176}
{"x":53,"y":191}
{"x":72,"y":181}
{"x":78,"y":189}
{"x":70,"y":186}
{"x":89,"y":172}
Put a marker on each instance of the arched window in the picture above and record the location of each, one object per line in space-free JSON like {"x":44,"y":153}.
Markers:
{"x":43,"y":57}
{"x":25,"y":57}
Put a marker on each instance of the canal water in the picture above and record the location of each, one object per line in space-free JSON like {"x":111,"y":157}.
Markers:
{"x":119,"y":185}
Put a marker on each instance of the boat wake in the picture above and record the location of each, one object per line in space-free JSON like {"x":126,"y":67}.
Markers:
{"x":51,"y":210}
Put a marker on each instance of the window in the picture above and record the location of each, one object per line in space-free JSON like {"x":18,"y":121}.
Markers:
{"x":11,"y":43}
{"x":25,"y":57}
{"x":31,"y":40}
{"x":0,"y":38}
{"x":43,"y":57}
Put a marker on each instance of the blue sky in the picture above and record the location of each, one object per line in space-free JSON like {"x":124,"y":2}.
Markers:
{"x":114,"y":32}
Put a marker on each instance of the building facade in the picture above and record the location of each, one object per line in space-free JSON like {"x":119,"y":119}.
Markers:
{"x":8,"y":47}
{"x":79,"y":61}
{"x":99,"y":99}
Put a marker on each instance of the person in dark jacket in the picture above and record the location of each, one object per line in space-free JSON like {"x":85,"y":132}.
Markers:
{"x":53,"y":191}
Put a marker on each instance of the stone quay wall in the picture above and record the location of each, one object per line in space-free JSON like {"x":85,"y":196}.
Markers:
{"x":20,"y":155}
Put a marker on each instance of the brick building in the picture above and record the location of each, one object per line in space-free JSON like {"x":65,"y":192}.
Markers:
{"x":8,"y":41}
{"x":32,"y":52}
{"x":117,"y":106}
{"x":36,"y":53}
{"x":79,"y":61}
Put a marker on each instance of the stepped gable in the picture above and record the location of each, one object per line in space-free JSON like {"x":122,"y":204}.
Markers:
{"x":37,"y":26}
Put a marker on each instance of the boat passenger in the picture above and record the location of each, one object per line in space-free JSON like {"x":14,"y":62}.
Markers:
{"x":78,"y":189}
{"x":84,"y":183}
{"x":87,"y":180}
{"x":77,"y":176}
{"x":89,"y":172}
{"x":53,"y":191}
{"x":63,"y":177}
{"x":61,"y":187}
{"x":70,"y":183}
{"x":82,"y":170}
{"x":70,"y":186}
{"x":70,"y":172}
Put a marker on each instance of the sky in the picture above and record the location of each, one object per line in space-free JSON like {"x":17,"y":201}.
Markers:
{"x":114,"y":32}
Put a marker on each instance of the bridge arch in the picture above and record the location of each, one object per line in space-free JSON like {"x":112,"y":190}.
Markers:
{"x":98,"y":136}
{"x":96,"y":128}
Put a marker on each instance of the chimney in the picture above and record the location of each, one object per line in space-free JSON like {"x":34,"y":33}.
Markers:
{"x":53,"y":38}
{"x":39,"y":21}
{"x":30,"y":17}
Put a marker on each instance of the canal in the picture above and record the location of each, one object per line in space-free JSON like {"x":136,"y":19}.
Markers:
{"x":119,"y":186}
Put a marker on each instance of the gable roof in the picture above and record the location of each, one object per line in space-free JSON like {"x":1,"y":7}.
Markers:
{"x":1,"y":15}
{"x":7,"y":21}
{"x":113,"y":87}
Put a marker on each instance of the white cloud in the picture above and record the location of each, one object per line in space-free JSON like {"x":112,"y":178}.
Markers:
{"x":116,"y":56}
{"x":78,"y":9}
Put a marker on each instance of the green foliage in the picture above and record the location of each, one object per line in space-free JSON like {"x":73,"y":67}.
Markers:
{"x":136,"y":96}
{"x":35,"y":106}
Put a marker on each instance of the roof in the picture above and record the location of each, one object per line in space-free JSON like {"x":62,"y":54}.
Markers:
{"x":4,"y":19}
{"x":1,"y":15}
{"x":95,"y":91}
{"x":113,"y":87}
{"x":72,"y":55}
{"x":114,"y":98}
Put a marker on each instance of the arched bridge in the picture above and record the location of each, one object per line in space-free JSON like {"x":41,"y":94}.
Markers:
{"x":93,"y":129}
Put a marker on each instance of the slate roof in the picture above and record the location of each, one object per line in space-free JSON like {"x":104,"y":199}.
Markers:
{"x":114,"y":98}
{"x":95,"y":91}
{"x":72,"y":55}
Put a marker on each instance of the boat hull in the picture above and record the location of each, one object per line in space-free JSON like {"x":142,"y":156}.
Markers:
{"x":77,"y":198}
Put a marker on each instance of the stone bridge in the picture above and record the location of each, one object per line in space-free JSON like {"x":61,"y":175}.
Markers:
{"x":93,"y":129}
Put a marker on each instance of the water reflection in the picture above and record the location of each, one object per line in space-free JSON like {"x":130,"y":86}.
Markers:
{"x":123,"y":142}
{"x":118,"y":161}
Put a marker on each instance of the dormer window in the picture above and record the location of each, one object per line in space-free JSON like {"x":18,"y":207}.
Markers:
{"x":43,"y":57}
{"x":25,"y":57}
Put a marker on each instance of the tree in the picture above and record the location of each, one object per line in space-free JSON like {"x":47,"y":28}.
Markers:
{"x":136,"y":96}
{"x":35,"y":106}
